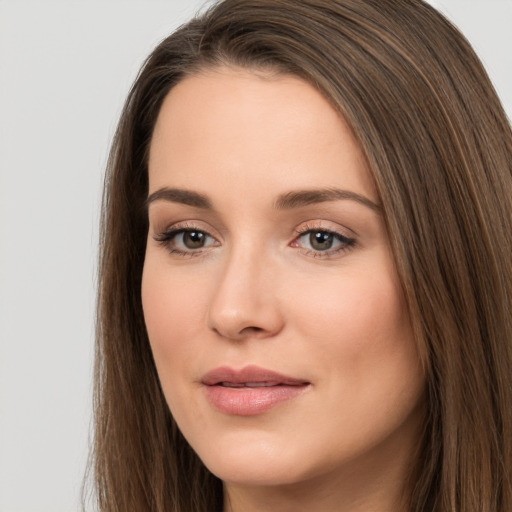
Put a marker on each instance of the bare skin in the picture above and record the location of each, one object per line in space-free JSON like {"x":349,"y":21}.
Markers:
{"x":267,"y":249}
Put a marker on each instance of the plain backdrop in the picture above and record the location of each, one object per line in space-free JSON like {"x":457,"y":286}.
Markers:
{"x":65,"y":69}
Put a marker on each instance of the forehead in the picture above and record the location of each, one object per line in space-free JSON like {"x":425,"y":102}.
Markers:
{"x":255,"y":132}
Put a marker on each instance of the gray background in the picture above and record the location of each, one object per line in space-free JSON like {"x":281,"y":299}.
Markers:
{"x":65,"y":69}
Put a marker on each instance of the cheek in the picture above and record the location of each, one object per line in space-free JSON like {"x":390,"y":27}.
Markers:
{"x":171,"y":312}
{"x":363,"y":342}
{"x":359,"y":309}
{"x":360,"y":327}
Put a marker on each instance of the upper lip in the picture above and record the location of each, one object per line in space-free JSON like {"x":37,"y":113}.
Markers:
{"x":249,"y":374}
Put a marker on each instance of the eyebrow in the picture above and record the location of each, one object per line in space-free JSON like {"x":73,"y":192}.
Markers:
{"x":176,"y":195}
{"x":300,"y":198}
{"x":287,"y":201}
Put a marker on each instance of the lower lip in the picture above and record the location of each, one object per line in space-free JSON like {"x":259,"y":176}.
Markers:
{"x":245,"y":401}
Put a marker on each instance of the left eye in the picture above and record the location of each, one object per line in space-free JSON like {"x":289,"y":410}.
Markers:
{"x":318,"y":240}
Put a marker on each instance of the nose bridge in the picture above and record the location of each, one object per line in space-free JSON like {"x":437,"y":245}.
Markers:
{"x":244,"y":301}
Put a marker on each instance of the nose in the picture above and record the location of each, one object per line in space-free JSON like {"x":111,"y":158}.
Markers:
{"x":245,"y":302}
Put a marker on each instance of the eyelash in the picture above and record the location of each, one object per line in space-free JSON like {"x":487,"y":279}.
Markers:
{"x":167,"y":240}
{"x":346,"y":243}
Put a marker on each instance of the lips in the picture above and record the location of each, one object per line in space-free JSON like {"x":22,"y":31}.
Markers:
{"x":249,"y":391}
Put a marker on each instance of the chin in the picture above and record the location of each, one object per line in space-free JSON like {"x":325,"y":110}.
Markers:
{"x":259,"y":462}
{"x":256,"y":473}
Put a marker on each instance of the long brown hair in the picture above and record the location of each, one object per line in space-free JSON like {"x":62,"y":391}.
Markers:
{"x":440,"y":149}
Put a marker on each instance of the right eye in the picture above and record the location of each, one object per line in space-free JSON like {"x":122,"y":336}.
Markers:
{"x":186,"y":241}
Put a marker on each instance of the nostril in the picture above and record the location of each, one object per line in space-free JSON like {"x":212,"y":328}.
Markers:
{"x":244,"y":333}
{"x":252,"y":330}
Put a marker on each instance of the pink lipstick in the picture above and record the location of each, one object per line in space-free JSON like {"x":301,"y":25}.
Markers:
{"x":249,"y":391}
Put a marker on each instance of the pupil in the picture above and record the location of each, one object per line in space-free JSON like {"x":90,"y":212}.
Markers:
{"x":193,"y":239}
{"x":321,"y":240}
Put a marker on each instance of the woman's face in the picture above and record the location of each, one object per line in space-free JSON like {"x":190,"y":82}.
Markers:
{"x":273,"y":308}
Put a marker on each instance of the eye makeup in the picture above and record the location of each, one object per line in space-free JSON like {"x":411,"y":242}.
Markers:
{"x":189,"y":240}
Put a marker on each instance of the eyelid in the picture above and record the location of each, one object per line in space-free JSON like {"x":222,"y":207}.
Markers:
{"x":347,"y":242}
{"x":163,"y":228}
{"x":323,"y":225}
{"x":167,"y":236}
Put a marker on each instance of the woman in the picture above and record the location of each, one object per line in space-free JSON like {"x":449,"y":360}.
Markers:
{"x":305,"y":280}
